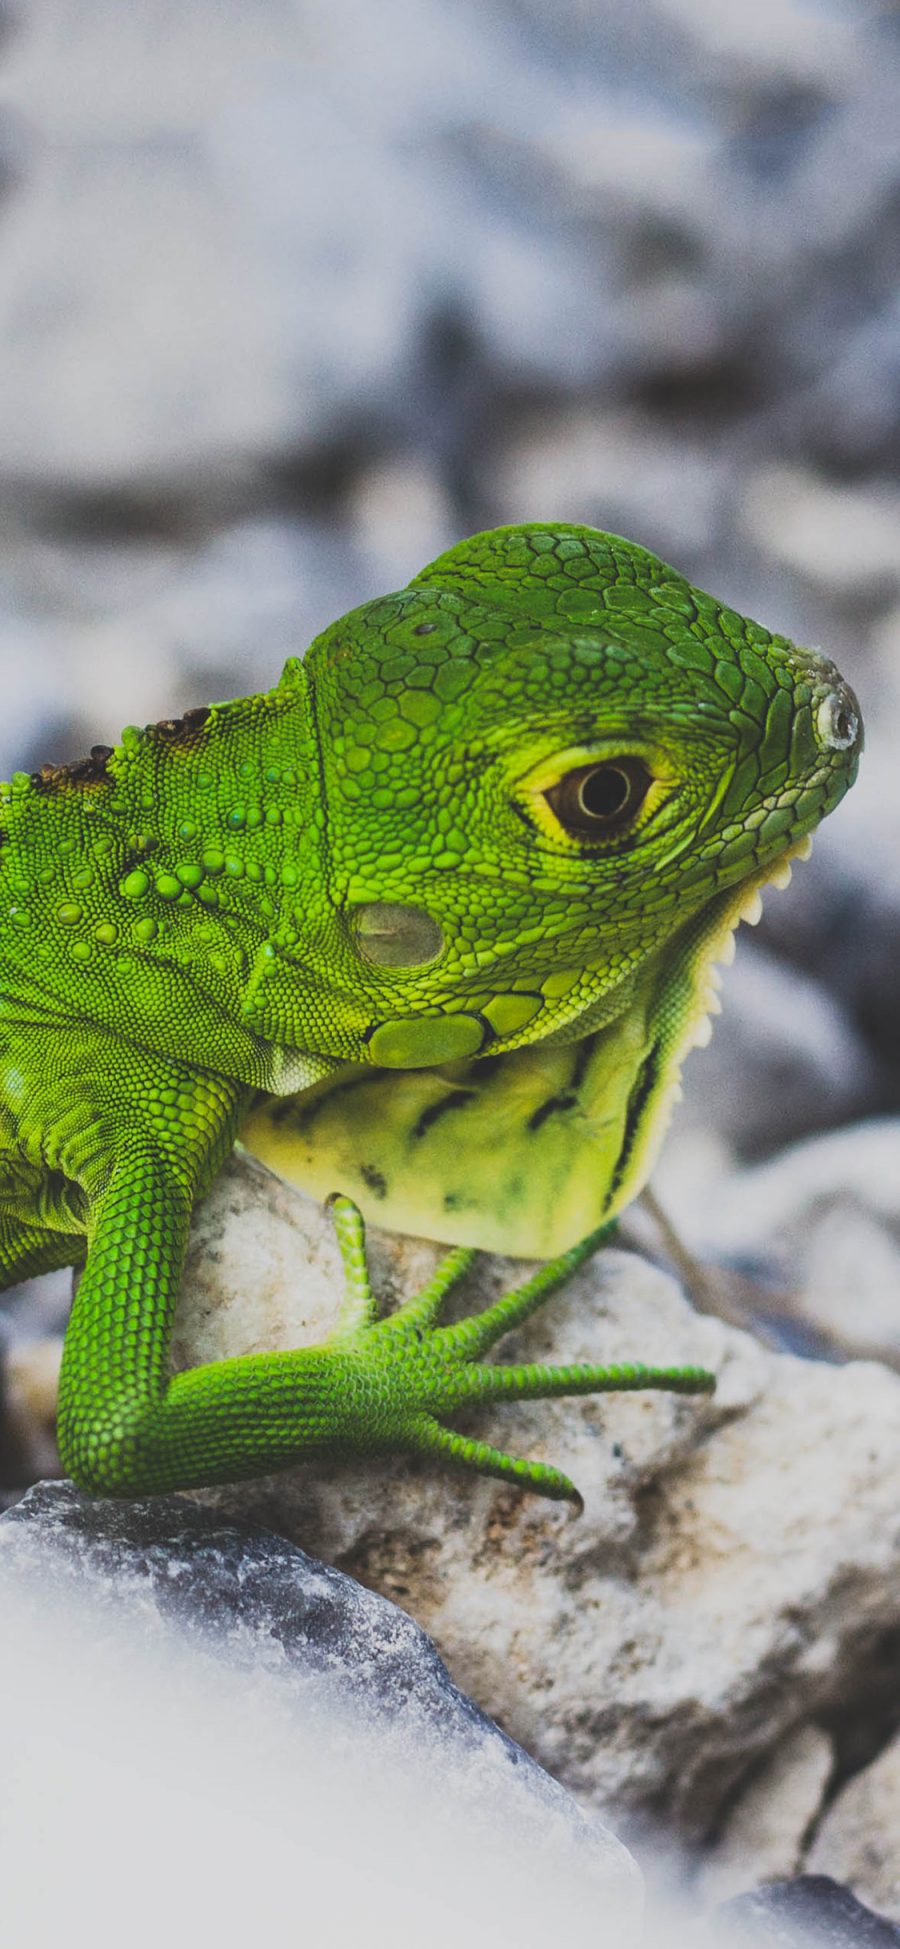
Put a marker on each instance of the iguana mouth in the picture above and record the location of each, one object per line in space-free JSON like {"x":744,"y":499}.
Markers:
{"x":716,"y":949}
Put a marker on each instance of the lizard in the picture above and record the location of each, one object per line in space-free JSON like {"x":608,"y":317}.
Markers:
{"x":435,"y":920}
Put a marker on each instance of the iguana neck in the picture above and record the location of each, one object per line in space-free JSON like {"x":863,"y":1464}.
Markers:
{"x":526,"y":1152}
{"x":670,"y":1014}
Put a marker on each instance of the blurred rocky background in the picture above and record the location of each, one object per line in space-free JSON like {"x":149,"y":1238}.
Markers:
{"x":293,"y":295}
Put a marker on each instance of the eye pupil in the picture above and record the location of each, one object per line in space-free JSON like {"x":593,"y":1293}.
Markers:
{"x":604,"y":791}
{"x":600,"y":801}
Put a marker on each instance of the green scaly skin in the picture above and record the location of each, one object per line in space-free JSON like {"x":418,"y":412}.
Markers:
{"x":371,"y":920}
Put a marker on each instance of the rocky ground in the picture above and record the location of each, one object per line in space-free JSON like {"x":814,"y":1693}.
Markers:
{"x":290,"y":297}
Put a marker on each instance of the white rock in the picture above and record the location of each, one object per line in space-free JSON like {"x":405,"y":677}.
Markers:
{"x":764,"y":1834}
{"x":849,"y":1265}
{"x":773,"y":38}
{"x":859,"y":1163}
{"x":843,"y":538}
{"x":820,"y":1221}
{"x":858,"y":1838}
{"x":617,"y":471}
{"x":721,"y":1581}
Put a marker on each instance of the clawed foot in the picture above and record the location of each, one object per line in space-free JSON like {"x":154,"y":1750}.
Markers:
{"x":403,"y":1374}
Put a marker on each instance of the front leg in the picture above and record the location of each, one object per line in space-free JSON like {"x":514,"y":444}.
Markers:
{"x":128,"y":1427}
{"x":148,"y":1143}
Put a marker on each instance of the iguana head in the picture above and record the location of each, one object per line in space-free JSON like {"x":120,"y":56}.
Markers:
{"x":542,"y":762}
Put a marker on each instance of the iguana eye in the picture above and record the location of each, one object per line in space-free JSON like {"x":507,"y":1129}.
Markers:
{"x":598,"y":801}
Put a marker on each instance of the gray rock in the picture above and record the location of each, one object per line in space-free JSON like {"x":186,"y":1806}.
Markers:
{"x":813,"y":1912}
{"x":167,"y":1609}
{"x":254,"y":1592}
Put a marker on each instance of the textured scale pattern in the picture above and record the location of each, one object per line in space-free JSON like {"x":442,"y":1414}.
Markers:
{"x":349,"y":919}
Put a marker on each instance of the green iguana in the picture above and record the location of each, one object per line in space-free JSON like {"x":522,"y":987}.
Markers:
{"x":433,"y":921}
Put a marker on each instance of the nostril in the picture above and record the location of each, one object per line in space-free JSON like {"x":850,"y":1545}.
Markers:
{"x":837,"y":720}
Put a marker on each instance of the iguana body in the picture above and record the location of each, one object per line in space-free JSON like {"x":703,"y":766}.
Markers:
{"x":449,"y":897}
